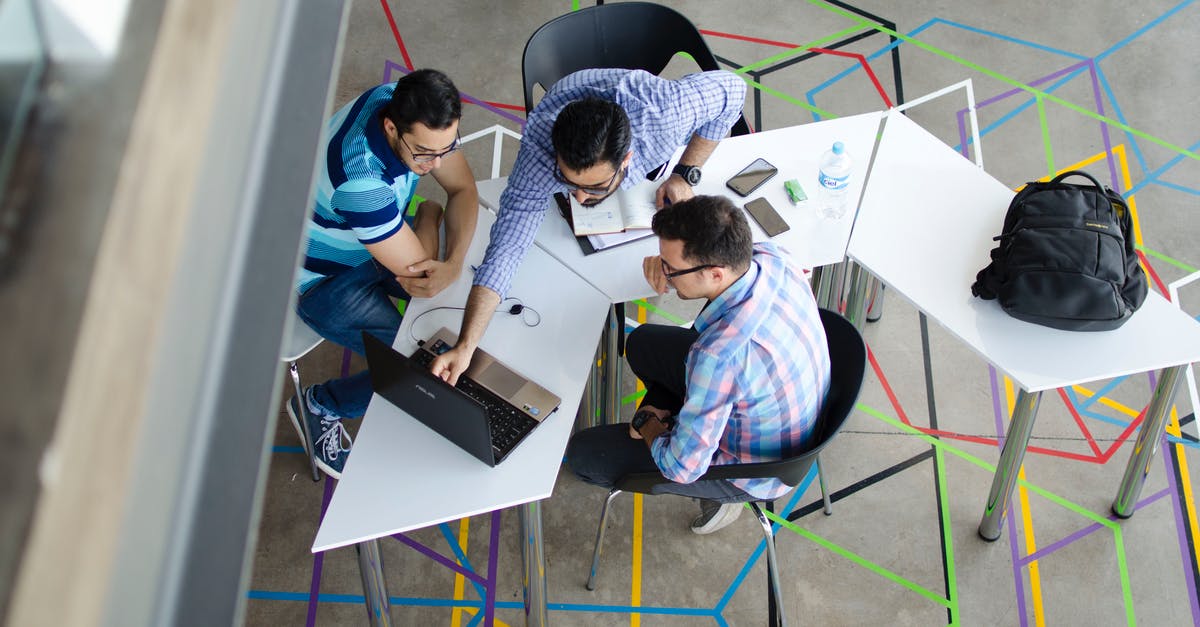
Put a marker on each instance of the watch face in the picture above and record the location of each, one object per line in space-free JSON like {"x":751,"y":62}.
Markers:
{"x":690,"y":173}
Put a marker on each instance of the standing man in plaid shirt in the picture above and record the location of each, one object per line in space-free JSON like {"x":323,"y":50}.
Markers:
{"x":595,"y":132}
{"x":743,"y":385}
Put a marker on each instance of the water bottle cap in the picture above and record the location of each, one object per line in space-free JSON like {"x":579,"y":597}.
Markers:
{"x":838,"y":148}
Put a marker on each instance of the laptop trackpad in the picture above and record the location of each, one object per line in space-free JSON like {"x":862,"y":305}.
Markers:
{"x":504,"y":382}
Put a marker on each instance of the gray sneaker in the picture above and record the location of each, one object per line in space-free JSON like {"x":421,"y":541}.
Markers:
{"x":714,"y":516}
{"x":330,"y":441}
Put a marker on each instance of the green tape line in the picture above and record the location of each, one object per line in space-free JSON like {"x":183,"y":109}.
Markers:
{"x":1157,"y":255}
{"x":858,"y":559}
{"x":655,"y":310}
{"x":1054,"y":498}
{"x":939,"y":461}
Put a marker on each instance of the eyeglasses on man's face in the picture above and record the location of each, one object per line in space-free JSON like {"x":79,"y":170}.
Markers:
{"x":426,"y":157}
{"x":591,"y":190}
{"x":670,"y":273}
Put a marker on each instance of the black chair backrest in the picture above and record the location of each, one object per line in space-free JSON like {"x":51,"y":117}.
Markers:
{"x":629,"y":35}
{"x":848,"y":365}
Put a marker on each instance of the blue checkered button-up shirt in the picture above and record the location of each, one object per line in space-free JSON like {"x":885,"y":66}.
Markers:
{"x":756,"y":377}
{"x":663,"y":115}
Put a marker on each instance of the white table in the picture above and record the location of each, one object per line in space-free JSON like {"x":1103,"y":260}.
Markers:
{"x":794,"y":150}
{"x":925,"y":229}
{"x":403,"y":476}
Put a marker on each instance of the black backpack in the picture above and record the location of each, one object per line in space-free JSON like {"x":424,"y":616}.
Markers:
{"x":1066,"y":258}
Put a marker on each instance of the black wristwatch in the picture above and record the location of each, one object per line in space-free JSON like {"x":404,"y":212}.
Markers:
{"x":640,"y":418}
{"x":689,"y":173}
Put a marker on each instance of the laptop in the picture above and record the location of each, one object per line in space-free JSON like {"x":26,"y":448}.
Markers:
{"x":489,"y":412}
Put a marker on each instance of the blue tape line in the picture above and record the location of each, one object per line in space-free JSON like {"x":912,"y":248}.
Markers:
{"x":762,"y":544}
{"x":1102,"y":392}
{"x":631,"y":609}
{"x":287,"y":449}
{"x":1013,"y":40}
{"x":1177,"y":187}
{"x":1141,"y":31}
{"x":462,"y":558}
{"x":1152,"y":176}
{"x":1130,"y":138}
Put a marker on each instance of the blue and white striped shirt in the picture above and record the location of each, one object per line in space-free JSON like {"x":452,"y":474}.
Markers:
{"x":663,"y":115}
{"x":362,"y":190}
{"x":756,"y":377}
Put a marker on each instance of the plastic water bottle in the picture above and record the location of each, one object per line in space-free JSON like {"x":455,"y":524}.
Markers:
{"x":833,"y":182}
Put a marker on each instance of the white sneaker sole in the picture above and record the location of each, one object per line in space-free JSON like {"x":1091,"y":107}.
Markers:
{"x":325,"y":468}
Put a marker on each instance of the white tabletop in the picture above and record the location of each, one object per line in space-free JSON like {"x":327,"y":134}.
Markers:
{"x":925,"y":228}
{"x":402,"y":476}
{"x":794,"y":150}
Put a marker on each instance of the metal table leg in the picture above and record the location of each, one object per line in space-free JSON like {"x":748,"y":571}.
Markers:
{"x":1147,"y":442}
{"x":370,"y":566}
{"x":602,"y":394}
{"x":302,"y":404}
{"x":533,"y":556}
{"x":612,"y":367}
{"x":1009,"y":465}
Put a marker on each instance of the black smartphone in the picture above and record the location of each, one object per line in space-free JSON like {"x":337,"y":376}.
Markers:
{"x":765,"y":215}
{"x":751,"y":177}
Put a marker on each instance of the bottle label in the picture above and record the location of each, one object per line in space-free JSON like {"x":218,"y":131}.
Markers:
{"x":833,"y":182}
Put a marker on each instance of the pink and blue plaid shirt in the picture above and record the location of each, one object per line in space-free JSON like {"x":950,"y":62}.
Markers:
{"x":756,"y":377}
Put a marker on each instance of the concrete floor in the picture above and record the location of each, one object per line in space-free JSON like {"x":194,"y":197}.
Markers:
{"x":901,"y":547}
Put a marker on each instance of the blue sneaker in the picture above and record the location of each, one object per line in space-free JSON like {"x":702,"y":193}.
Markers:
{"x":330,"y":441}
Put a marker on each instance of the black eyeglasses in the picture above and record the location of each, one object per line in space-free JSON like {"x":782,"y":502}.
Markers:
{"x":603,"y":190}
{"x":426,"y":157}
{"x":670,"y":274}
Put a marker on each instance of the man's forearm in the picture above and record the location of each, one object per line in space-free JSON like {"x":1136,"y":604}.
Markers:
{"x":481,"y":304}
{"x":462,"y":212}
{"x":697,"y":151}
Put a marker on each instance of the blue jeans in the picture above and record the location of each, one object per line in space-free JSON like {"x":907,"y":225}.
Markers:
{"x":340,"y":308}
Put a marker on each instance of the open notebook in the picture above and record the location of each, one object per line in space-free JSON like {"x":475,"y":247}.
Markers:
{"x":626,"y":209}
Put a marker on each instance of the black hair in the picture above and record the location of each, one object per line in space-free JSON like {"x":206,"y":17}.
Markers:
{"x":713,"y":231}
{"x":425,"y":96}
{"x":591,"y":131}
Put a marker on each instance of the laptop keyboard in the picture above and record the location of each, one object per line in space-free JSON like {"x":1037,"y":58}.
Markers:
{"x":508,"y":425}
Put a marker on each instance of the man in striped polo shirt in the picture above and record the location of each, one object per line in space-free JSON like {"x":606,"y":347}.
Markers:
{"x":744,"y":384}
{"x":362,"y":250}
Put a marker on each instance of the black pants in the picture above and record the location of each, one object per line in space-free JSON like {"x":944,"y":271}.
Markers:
{"x":602,"y":455}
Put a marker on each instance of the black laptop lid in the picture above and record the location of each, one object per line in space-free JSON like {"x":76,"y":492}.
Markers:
{"x":409,"y":386}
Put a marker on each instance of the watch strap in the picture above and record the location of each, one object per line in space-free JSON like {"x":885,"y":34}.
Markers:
{"x":689,"y":173}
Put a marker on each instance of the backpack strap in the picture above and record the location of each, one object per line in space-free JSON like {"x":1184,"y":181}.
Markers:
{"x":1060,"y":177}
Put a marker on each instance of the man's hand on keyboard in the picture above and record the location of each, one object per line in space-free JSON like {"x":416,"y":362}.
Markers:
{"x":450,"y":365}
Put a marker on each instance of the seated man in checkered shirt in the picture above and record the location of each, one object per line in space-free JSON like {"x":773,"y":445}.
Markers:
{"x":744,"y":384}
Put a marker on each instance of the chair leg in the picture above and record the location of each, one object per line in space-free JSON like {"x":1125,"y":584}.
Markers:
{"x":772,"y":564}
{"x":591,"y":582}
{"x":824,"y":492}
{"x":300,"y":403}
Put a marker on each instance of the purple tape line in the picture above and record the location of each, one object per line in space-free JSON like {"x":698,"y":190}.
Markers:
{"x":389,"y":67}
{"x":314,"y":589}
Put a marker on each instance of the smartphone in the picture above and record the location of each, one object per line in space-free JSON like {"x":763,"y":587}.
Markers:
{"x":765,"y":215}
{"x":751,"y":177}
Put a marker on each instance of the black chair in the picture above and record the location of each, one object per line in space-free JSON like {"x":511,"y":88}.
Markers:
{"x":630,"y":35}
{"x":848,"y":359}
